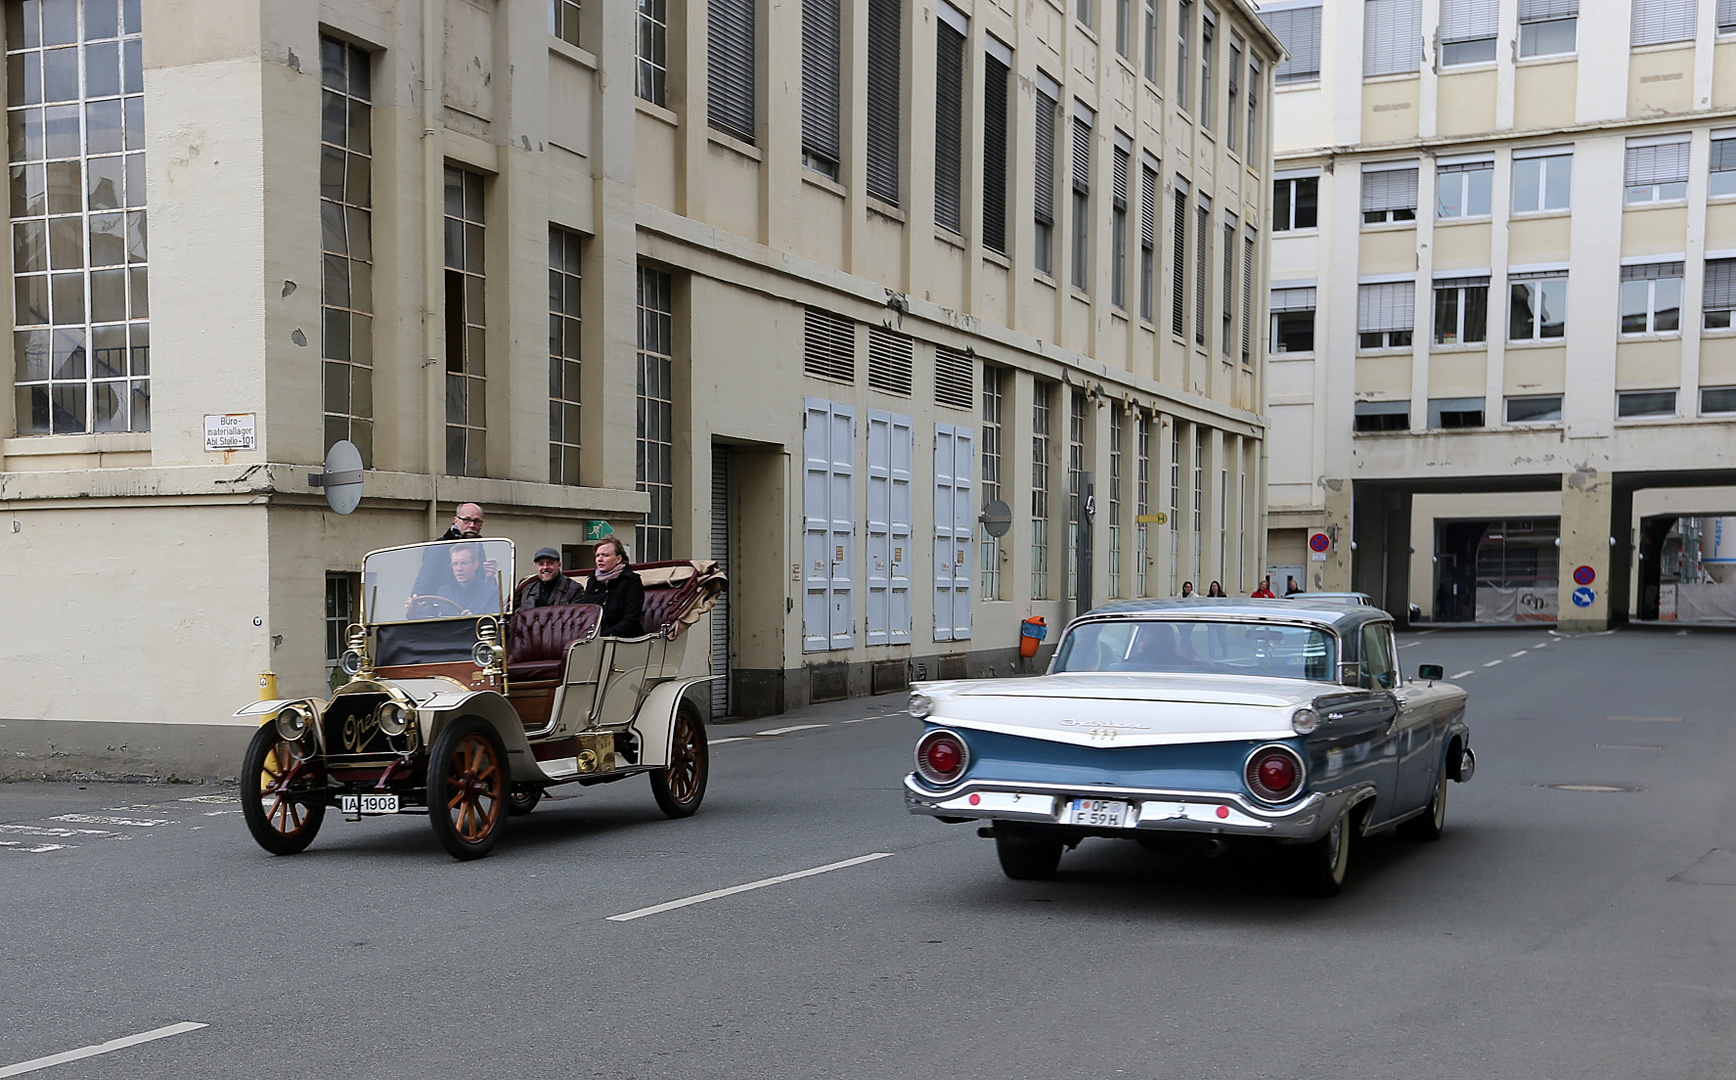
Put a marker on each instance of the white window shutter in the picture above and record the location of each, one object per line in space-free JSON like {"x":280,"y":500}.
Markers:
{"x":878,"y":575}
{"x":903,"y":452}
{"x":1388,"y":306}
{"x":843,"y":510}
{"x":829,"y":525}
{"x":887,"y":579}
{"x":1658,"y":21}
{"x":954,"y":526}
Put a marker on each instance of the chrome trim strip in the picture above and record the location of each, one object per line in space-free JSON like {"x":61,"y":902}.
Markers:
{"x":1154,"y":809}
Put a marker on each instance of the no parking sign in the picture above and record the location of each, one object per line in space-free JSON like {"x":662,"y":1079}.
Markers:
{"x":1318,"y":544}
{"x":1584,"y":575}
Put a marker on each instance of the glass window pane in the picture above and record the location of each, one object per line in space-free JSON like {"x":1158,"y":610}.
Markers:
{"x":102,"y":69}
{"x":1476,"y":315}
{"x":24,"y":79}
{"x":101,"y":19}
{"x":68,"y":413}
{"x":66,"y":355}
{"x":1667,"y":305}
{"x":108,"y":245}
{"x":108,"y":295}
{"x":29,"y":195}
{"x":29,"y":246}
{"x":1527,"y":173}
{"x":1519,"y":313}
{"x":1553,"y":311}
{"x":1634,"y":297}
{"x":68,"y":290}
{"x":141,"y":300}
{"x":60,"y":131}
{"x":30,"y":355}
{"x":108,"y":406}
{"x":1477,"y":185}
{"x":1446,"y":316}
{"x":65,"y":187}
{"x":30,"y":299}
{"x":103,"y":181}
{"x":60,"y":75}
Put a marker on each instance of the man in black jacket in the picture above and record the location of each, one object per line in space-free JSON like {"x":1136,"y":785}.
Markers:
{"x":550,"y":587}
{"x":618,"y":589}
{"x":436,"y":564}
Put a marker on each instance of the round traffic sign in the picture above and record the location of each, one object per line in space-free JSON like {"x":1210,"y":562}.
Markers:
{"x":1583,"y":597}
{"x":1584,"y":575}
{"x":1319,"y":541}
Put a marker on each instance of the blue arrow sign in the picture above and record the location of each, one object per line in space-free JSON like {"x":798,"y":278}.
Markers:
{"x":1583,"y":597}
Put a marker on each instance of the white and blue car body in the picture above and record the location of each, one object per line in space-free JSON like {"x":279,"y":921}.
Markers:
{"x":1285,"y":721}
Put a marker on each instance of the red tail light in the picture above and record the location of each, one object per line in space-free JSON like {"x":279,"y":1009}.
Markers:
{"x":941,"y":757}
{"x":1274,"y":773}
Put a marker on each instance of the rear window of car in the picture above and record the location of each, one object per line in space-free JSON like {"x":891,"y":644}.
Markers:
{"x":1199,"y":647}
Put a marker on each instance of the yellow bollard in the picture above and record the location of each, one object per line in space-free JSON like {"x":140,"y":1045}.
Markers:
{"x":267,"y":685}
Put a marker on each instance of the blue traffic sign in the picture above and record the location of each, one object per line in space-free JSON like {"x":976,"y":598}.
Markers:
{"x":1583,"y":597}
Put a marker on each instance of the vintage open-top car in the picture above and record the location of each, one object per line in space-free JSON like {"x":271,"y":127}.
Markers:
{"x":462,"y":708}
{"x":1196,"y":723}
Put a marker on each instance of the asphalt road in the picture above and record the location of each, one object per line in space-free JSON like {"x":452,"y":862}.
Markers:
{"x":1551,"y":933}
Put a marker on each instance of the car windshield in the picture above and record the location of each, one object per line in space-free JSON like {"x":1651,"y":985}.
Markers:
{"x":444,"y":580}
{"x":1199,"y":647}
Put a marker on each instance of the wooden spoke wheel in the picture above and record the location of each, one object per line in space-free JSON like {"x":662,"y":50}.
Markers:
{"x":282,"y":796}
{"x":467,"y":788}
{"x":679,"y":788}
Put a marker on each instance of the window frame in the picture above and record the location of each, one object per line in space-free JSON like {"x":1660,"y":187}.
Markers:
{"x":1459,"y":289}
{"x":1530,"y":282}
{"x":1546,"y":165}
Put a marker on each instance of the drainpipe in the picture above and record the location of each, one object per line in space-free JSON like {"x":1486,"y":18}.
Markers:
{"x":433,"y":252}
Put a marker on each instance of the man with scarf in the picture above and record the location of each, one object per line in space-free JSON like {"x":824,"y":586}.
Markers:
{"x":618,"y":590}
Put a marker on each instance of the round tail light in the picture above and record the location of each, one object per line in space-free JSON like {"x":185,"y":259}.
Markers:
{"x":1274,"y":773}
{"x":941,"y":757}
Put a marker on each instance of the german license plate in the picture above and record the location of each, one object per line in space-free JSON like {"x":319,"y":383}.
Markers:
{"x":1098,"y":813}
{"x":368,"y":804}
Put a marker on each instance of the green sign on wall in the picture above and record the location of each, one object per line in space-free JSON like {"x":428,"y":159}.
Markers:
{"x":596,"y":530}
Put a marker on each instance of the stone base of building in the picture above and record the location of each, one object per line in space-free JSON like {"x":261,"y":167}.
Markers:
{"x":100,"y":750}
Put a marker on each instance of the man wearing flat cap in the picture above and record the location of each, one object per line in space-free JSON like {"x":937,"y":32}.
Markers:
{"x":550,"y":587}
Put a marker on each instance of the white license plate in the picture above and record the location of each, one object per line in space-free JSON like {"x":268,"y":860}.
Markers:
{"x":368,"y":804}
{"x":1097,"y":813}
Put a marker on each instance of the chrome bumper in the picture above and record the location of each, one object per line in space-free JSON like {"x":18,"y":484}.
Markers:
{"x":1195,"y":812}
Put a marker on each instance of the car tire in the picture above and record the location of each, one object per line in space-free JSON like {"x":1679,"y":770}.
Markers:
{"x":1428,"y":825}
{"x":1026,"y":854}
{"x":467,"y":788}
{"x":1321,"y":865}
{"x":281,"y":824}
{"x":680,"y":787}
{"x":522,"y":800}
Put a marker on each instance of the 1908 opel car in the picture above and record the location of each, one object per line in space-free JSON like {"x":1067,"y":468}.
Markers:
{"x":460,"y":708}
{"x":1196,"y":723}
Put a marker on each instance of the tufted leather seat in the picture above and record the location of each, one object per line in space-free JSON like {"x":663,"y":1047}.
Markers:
{"x":539,"y":640}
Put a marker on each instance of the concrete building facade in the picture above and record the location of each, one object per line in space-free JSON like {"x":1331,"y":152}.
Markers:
{"x":798,"y":286}
{"x":1504,"y":237}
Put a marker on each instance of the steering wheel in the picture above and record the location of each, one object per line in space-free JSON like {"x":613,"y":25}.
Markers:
{"x":430,"y":606}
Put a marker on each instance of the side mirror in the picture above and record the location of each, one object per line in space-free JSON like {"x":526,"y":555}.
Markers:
{"x":1431,"y":672}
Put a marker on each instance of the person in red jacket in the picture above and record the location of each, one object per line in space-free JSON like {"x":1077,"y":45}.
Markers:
{"x":1264,"y":592}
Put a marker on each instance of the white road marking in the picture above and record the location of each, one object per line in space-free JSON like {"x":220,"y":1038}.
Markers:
{"x":18,"y":845}
{"x":98,"y":819}
{"x":1543,"y":644}
{"x":100,"y":1048}
{"x":211,"y":798}
{"x":787,"y":730}
{"x":1462,"y":674}
{"x":733,"y":889}
{"x":50,"y":830}
{"x":858,"y":720}
{"x":732,"y":738}
{"x":1492,"y":663}
{"x":1520,"y":653}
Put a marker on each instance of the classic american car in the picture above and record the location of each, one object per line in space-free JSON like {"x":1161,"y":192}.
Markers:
{"x":459,"y":707}
{"x":1193,"y":722}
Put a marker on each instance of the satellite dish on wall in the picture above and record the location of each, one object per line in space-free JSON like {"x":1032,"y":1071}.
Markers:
{"x":996,"y":518}
{"x":342,"y":479}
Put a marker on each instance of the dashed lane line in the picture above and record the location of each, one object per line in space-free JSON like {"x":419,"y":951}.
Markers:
{"x":100,"y":1048}
{"x":793,"y":727}
{"x":98,"y":819}
{"x":1520,"y":653}
{"x":1462,"y":674}
{"x":732,"y":738}
{"x":24,"y":848}
{"x":1492,"y":663}
{"x":640,"y":913}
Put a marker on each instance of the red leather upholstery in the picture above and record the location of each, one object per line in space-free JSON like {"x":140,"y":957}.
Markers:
{"x":539,"y":639}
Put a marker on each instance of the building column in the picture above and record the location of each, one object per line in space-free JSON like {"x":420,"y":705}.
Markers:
{"x":1333,"y":575}
{"x":1586,"y":501}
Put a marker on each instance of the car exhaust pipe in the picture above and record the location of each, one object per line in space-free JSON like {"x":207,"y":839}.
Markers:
{"x":1216,"y":847}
